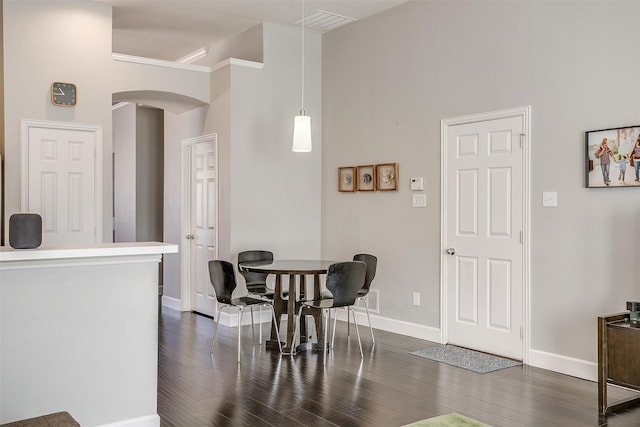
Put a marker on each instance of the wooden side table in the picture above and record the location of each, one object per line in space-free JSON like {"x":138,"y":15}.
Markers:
{"x":618,"y":359}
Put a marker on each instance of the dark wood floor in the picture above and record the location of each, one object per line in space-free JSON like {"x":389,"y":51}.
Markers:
{"x":388,"y":388}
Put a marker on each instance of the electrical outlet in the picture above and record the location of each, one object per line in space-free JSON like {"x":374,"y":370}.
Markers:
{"x":416,"y":298}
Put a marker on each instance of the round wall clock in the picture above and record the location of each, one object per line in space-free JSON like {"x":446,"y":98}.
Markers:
{"x":63,"y":94}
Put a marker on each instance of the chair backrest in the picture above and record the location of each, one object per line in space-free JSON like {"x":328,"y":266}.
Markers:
{"x":372,"y":263}
{"x":256,"y":282}
{"x":344,"y":280}
{"x":223,"y":280}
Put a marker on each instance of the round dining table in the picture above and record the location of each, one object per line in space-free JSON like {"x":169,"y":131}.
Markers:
{"x":297,"y":271}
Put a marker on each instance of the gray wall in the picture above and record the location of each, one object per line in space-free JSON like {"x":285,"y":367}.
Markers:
{"x":35,"y":57}
{"x":275,"y":201}
{"x":389,"y":80}
{"x":247,"y":45}
{"x":124,"y":173}
{"x":149,"y":174}
{"x":1,"y":123}
{"x":138,"y":144}
{"x":269,"y":196}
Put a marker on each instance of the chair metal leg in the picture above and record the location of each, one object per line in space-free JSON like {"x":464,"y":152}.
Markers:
{"x":355,"y":323}
{"x":215,"y":327}
{"x":260,"y":325}
{"x":239,"y":330}
{"x":326,"y":326}
{"x":333,"y":334}
{"x":253,"y":332}
{"x":366,"y":306}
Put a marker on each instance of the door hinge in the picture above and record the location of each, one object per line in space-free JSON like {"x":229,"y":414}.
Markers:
{"x":522,"y":139}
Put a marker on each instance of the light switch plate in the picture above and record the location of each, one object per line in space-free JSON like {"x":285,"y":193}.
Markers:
{"x":549,"y":199}
{"x":420,"y":200}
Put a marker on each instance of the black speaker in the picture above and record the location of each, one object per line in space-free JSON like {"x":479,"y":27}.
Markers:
{"x":634,"y":313}
{"x":25,"y":231}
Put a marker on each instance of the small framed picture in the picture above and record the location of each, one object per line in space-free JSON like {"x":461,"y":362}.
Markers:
{"x":387,"y":176}
{"x":366,"y":178}
{"x":347,"y":178}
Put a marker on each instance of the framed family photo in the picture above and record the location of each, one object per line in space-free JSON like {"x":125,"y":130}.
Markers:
{"x":612,"y":157}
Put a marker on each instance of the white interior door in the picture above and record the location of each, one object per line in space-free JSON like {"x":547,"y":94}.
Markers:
{"x":61,"y":185}
{"x":484,"y":235}
{"x":204,"y":204}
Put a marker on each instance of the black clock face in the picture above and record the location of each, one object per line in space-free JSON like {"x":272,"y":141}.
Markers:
{"x":64,"y":94}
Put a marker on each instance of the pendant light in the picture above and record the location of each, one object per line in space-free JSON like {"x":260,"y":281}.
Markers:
{"x":302,"y":122}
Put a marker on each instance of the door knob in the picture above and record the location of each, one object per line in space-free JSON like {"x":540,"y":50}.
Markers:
{"x":451,"y":251}
{"x":189,"y":237}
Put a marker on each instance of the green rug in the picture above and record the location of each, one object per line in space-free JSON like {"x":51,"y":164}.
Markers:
{"x":449,"y":420}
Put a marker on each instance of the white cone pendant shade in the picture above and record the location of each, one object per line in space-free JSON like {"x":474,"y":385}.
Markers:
{"x":301,"y":133}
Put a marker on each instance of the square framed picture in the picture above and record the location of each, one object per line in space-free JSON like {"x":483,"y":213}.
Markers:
{"x":612,"y":157}
{"x":387,"y":176}
{"x":366,"y":178}
{"x":347,"y":179}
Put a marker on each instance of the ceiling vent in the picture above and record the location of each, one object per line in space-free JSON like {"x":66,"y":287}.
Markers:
{"x":322,"y":22}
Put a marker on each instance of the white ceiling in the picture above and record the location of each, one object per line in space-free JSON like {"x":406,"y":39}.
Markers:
{"x":172,"y":29}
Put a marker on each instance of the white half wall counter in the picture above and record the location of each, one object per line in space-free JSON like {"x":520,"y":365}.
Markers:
{"x":79,"y":332}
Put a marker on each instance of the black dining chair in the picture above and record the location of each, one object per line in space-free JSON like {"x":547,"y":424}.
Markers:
{"x":344,"y":280}
{"x":223,"y":280}
{"x":256,"y":282}
{"x":372,"y":262}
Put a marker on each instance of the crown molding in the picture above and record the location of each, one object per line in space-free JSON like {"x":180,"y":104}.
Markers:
{"x":189,"y":67}
{"x":240,"y":62}
{"x":194,"y":56}
{"x":159,"y":63}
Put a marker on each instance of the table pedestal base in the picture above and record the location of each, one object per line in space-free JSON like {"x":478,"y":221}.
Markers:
{"x":307,"y":346}
{"x":288,"y":303}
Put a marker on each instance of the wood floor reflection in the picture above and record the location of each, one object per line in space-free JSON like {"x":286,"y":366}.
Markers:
{"x":388,"y":388}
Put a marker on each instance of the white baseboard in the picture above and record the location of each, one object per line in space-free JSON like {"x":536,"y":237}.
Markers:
{"x":378,"y":322}
{"x":396,"y":326}
{"x":553,"y":362}
{"x":229,"y":318}
{"x":563,"y":364}
{"x":147,"y":421}
{"x":170,"y":302}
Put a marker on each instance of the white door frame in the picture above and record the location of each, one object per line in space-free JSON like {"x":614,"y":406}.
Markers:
{"x":24,"y":152}
{"x":525,"y":113}
{"x":185,"y":254}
